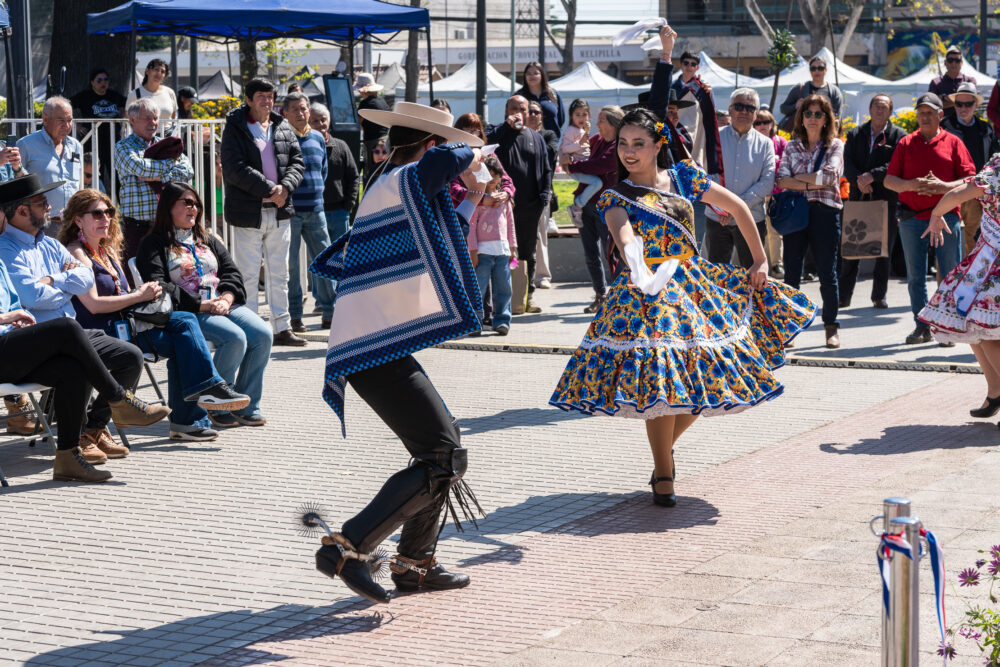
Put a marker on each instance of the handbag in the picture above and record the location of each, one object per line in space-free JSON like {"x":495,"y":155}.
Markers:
{"x":789,"y":209}
{"x":865,"y":229}
{"x":155,"y":313}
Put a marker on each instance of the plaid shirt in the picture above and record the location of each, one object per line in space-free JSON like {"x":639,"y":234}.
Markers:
{"x":136,"y":199}
{"x":798,"y":160}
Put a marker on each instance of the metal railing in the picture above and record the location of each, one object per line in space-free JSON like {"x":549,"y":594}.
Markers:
{"x":201,"y":137}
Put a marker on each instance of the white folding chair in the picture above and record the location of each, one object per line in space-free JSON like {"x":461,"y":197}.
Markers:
{"x":43,"y":430}
{"x":148,"y":358}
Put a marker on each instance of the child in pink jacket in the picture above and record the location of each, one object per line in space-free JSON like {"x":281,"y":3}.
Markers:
{"x":491,"y":245}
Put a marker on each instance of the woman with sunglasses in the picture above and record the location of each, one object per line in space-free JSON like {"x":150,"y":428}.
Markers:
{"x":196,"y":269}
{"x":380,"y":151}
{"x":818,"y":86}
{"x":764,"y":123}
{"x":812,"y":164}
{"x":152,"y":86}
{"x":91,"y":233}
{"x":536,"y":89}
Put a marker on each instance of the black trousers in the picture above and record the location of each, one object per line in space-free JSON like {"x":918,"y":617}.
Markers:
{"x":59,"y":354}
{"x":822,"y":236}
{"x":722,"y":239}
{"x":526,"y":218}
{"x":596,"y":240}
{"x":403,"y":397}
{"x":880,"y":277}
{"x":123,"y":360}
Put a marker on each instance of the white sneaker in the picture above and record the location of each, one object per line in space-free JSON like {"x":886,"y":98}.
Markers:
{"x":201,"y":435}
{"x":552,"y":227}
{"x":544,"y":283}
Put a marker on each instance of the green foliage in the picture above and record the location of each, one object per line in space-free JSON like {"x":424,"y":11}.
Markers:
{"x":152,"y":42}
{"x":981,"y":625}
{"x":285,"y":56}
{"x":782,"y":52}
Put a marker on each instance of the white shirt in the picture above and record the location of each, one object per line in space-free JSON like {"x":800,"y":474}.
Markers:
{"x":163,"y":97}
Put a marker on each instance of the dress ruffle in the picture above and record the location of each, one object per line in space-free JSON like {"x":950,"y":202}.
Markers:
{"x":983,"y":319}
{"x":705,"y":345}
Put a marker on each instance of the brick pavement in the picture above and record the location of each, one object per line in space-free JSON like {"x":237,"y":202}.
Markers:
{"x":191,"y":553}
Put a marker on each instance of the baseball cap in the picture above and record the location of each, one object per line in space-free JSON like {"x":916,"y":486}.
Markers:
{"x":929,"y":100}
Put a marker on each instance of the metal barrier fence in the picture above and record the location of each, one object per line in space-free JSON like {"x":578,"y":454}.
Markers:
{"x":201,"y":137}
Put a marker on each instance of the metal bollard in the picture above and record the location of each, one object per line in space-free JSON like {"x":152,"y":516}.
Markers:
{"x":891,"y":509}
{"x":904,"y":596}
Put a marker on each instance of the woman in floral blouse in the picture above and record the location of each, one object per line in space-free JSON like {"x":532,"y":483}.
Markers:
{"x":966,"y":307}
{"x":812,"y":164}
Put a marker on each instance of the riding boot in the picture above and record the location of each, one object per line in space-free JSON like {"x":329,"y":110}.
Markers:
{"x":417,"y":544}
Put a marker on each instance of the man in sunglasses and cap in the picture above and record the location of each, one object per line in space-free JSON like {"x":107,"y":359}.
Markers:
{"x":947,"y":84}
{"x":405,"y":282}
{"x":981,"y":140}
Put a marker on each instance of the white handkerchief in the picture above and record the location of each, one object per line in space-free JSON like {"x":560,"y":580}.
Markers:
{"x":488,"y":149}
{"x":640,"y":27}
{"x":651,"y":44}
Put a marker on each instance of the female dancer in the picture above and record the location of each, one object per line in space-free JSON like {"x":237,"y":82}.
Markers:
{"x":966,"y":307}
{"x":696,"y":338}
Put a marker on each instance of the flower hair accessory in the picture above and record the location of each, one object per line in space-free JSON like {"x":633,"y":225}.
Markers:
{"x":663,"y":129}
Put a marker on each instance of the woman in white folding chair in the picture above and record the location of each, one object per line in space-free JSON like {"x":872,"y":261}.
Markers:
{"x":93,"y":236}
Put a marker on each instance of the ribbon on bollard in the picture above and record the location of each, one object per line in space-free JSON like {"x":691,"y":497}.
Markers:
{"x":937,"y":566}
{"x":888,"y":543}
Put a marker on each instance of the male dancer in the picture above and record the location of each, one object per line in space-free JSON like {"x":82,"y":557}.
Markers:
{"x":404,"y":282}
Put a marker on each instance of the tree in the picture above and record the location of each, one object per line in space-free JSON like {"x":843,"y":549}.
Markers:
{"x":113,"y":53}
{"x":566,"y":49}
{"x":815,"y":18}
{"x":779,"y":56}
{"x":413,"y":61}
{"x":248,"y":60}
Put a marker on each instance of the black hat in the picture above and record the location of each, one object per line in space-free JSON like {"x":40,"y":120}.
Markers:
{"x":929,"y":100}
{"x":25,"y":187}
{"x":682,"y":104}
{"x":188,"y":92}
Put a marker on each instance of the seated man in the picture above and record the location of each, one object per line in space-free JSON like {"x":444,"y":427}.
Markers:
{"x":46,"y":277}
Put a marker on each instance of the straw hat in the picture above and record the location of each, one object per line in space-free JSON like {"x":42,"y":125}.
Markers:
{"x":421,"y":117}
{"x":967,"y":88}
{"x":365,"y":83}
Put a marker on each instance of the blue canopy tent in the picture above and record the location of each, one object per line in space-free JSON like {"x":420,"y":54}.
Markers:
{"x":230,"y":20}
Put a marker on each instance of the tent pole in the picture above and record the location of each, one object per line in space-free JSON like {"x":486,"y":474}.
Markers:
{"x":833,"y":46}
{"x":481,"y":102}
{"x":430,"y":66}
{"x":132,"y":62}
{"x":737,"y":64}
{"x":193,"y":62}
{"x":229,"y":58}
{"x":10,"y":72}
{"x":173,"y":61}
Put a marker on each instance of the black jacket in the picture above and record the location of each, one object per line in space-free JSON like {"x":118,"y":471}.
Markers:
{"x":246,"y":185}
{"x":858,"y":160}
{"x":988,"y":137}
{"x":525,"y":158}
{"x":342,"y":178}
{"x":152,"y":262}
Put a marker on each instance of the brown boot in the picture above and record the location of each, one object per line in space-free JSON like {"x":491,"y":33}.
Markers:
{"x":102,"y":438}
{"x":23,"y":425}
{"x":88,"y":449}
{"x":832,"y":338}
{"x":70,"y":467}
{"x":133,"y":411}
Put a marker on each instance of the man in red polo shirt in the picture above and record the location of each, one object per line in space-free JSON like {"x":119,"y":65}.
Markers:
{"x":925,"y":165}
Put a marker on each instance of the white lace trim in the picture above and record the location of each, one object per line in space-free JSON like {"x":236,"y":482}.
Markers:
{"x":740,"y":333}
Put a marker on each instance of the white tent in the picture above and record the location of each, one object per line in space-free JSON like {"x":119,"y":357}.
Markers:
{"x":394,"y":76}
{"x":459,"y":90}
{"x":718,"y":76}
{"x":589,"y":83}
{"x":219,"y":85}
{"x":930,"y":71}
{"x":848,"y":76}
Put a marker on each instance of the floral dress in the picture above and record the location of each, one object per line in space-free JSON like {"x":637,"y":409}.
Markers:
{"x":706,"y":344}
{"x":966,"y":306}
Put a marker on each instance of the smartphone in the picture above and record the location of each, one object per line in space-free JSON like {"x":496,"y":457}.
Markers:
{"x":12,"y":140}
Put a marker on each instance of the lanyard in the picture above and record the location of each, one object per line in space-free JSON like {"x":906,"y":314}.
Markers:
{"x":111,"y":268}
{"x":193,"y":249}
{"x":872,"y":143}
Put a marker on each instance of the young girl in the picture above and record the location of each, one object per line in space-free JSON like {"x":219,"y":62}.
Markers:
{"x":491,"y":245}
{"x":574,"y":146}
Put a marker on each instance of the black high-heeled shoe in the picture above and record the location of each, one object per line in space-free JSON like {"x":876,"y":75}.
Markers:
{"x":662,"y":499}
{"x":991,"y":408}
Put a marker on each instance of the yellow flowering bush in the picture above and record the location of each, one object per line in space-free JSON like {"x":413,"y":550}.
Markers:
{"x":906,"y":120}
{"x":215,"y":108}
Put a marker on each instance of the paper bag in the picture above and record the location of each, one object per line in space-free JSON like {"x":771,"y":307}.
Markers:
{"x":865,"y":230}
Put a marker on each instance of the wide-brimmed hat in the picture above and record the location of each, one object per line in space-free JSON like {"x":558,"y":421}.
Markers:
{"x":421,"y":117}
{"x":680,"y":104}
{"x":25,"y":187}
{"x":966,"y":88}
{"x":365,"y":83}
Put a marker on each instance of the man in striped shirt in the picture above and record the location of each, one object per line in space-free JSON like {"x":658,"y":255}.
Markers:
{"x":309,"y":221}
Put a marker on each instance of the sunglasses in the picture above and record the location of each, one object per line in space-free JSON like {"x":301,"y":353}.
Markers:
{"x":690,"y":63}
{"x":746,"y":108}
{"x":99,"y":213}
{"x":965,"y":105}
{"x":953,"y":60}
{"x":102,"y":79}
{"x":813,"y":114}
{"x":761,"y":123}
{"x":190,"y":203}
{"x":817,"y":69}
{"x":535,"y":113}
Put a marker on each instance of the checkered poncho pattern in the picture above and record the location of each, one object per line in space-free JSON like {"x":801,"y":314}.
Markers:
{"x":415,"y":235}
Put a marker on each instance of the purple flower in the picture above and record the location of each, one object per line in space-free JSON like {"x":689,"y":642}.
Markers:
{"x":947,"y":650}
{"x":995,"y":550}
{"x":994,"y":567}
{"x":968,"y":577}
{"x":980,"y":562}
{"x":969,"y":633}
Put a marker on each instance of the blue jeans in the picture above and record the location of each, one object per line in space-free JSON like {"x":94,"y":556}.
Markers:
{"x":915,"y":251}
{"x":338,"y":223}
{"x":309,"y":226}
{"x":823,"y":236}
{"x":496,"y":268}
{"x":190,"y":370}
{"x":242,"y":341}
